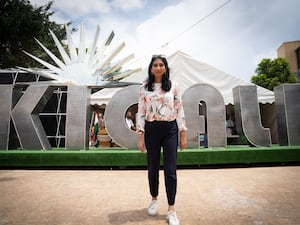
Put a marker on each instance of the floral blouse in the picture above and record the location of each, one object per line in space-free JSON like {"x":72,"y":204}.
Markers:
{"x":159,"y":105}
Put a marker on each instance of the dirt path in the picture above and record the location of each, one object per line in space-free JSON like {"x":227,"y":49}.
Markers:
{"x":235,"y":196}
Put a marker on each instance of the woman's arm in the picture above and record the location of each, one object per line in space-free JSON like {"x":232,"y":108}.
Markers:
{"x":140,"y":120}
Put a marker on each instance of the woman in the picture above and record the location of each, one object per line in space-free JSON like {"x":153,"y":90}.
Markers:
{"x":160,"y":117}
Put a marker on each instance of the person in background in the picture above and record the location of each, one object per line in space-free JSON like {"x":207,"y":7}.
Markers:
{"x":99,"y":125}
{"x":160,"y":117}
{"x":229,"y":125}
{"x":129,"y":121}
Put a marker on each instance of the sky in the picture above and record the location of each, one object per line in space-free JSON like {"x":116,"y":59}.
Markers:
{"x":230,"y":35}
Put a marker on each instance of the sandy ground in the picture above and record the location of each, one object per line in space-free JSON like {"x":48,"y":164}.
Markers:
{"x":228,"y":196}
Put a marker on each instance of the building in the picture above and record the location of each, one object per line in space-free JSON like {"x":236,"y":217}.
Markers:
{"x":291,"y":51}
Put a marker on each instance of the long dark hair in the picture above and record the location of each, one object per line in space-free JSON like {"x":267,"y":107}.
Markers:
{"x":166,"y":82}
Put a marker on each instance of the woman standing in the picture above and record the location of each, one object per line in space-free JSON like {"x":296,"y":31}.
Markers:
{"x":160,"y":117}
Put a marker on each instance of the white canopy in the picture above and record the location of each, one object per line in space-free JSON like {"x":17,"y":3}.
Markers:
{"x":188,"y":71}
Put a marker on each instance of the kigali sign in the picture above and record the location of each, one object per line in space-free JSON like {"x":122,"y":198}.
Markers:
{"x":23,"y":115}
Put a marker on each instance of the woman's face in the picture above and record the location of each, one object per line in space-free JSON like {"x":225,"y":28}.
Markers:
{"x":158,"y":69}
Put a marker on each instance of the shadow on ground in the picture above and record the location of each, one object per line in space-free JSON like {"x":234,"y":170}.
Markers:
{"x":132,"y":216}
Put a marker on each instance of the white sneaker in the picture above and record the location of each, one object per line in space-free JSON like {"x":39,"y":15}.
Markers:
{"x":152,"y":210}
{"x":172,"y":218}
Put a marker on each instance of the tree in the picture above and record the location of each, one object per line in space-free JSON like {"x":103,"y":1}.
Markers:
{"x":20,"y":23}
{"x":271,"y":73}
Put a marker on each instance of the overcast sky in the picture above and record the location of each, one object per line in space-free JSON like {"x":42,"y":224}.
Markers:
{"x":235,"y":38}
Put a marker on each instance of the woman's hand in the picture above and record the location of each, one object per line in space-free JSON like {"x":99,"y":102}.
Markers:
{"x":141,"y":143}
{"x":183,"y":141}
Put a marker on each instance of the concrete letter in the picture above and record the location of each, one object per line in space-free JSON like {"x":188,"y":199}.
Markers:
{"x":78,"y":117}
{"x":287,"y":98}
{"x":247,"y":116}
{"x":25,"y":117}
{"x":115,"y":116}
{"x":215,"y":115}
{"x":6,"y":105}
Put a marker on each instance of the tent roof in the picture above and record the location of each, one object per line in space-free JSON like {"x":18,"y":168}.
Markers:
{"x":188,"y":71}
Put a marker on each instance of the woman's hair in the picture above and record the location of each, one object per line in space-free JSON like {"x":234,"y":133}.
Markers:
{"x":166,"y":82}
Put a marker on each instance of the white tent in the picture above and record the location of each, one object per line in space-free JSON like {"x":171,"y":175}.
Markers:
{"x":188,"y":71}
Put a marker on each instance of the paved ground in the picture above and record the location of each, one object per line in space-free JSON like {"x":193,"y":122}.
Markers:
{"x":235,"y":196}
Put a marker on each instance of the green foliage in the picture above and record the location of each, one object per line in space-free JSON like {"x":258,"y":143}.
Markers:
{"x":20,"y":23}
{"x":271,"y":73}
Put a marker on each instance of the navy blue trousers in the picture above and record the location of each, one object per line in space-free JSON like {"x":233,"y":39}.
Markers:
{"x":162,"y":134}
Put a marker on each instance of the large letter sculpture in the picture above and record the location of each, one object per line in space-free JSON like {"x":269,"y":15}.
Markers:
{"x":5,"y":107}
{"x":78,"y":117}
{"x":287,"y":98}
{"x":25,"y":116}
{"x":215,"y":115}
{"x":247,"y":116}
{"x":114,"y":116}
